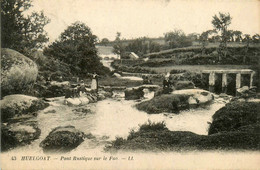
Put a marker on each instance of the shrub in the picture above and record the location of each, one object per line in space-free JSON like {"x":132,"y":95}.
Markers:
{"x":153,"y":126}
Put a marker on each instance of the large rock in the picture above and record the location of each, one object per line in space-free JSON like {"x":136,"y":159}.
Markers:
{"x":176,"y":101}
{"x":18,"y":132}
{"x":196,"y":96}
{"x":18,"y":73}
{"x":133,"y":93}
{"x":62,"y":139}
{"x":85,"y":98}
{"x":236,"y":116}
{"x":104,"y":94}
{"x":137,"y":92}
{"x":17,"y":105}
{"x":246,"y":92}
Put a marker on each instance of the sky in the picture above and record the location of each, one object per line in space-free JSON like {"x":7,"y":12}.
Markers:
{"x":150,"y":18}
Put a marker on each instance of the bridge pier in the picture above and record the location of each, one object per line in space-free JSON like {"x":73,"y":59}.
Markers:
{"x":251,"y":79}
{"x":212,"y":78}
{"x":224,"y":83}
{"x":238,"y":81}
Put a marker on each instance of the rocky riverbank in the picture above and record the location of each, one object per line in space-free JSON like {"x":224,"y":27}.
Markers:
{"x":18,"y":124}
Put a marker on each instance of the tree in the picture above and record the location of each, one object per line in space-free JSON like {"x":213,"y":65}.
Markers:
{"x":177,"y":38}
{"x":256,"y":38}
{"x":230,"y":36}
{"x":104,"y":41}
{"x":76,"y":47}
{"x":118,"y":48}
{"x":237,"y":35}
{"x":204,"y":38}
{"x":20,"y":32}
{"x":247,"y":39}
{"x":221,"y":23}
{"x":193,"y":36}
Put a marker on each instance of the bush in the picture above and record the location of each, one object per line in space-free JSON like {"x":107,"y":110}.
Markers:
{"x":152,"y":126}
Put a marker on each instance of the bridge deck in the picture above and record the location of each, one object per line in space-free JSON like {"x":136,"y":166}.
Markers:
{"x":235,"y":71}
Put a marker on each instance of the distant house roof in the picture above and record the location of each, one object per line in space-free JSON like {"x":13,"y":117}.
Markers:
{"x":133,"y":55}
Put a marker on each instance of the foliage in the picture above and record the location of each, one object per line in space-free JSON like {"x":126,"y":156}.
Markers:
{"x":154,"y":126}
{"x":142,"y":46}
{"x":221,"y":23}
{"x":204,"y":37}
{"x":104,"y":41}
{"x":118,"y":48}
{"x":76,"y":47}
{"x":177,"y":38}
{"x":19,"y":32}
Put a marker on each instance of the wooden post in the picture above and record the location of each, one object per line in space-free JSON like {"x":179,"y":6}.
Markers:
{"x":212,"y":78}
{"x":238,"y":81}
{"x":224,"y":82}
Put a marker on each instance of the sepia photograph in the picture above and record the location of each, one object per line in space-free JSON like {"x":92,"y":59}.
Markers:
{"x":130,"y":84}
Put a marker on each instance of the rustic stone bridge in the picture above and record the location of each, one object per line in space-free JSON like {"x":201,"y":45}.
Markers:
{"x":238,"y":72}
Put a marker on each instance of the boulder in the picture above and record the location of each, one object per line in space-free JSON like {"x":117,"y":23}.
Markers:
{"x":62,"y":139}
{"x":18,"y":73}
{"x":17,"y":105}
{"x":176,"y":101}
{"x":18,"y":132}
{"x":104,"y":94}
{"x":137,"y":92}
{"x":184,"y":85}
{"x":78,"y":101}
{"x":234,"y":116}
{"x":116,"y":75}
{"x":133,"y":93}
{"x":196,"y":96}
{"x":246,"y":92}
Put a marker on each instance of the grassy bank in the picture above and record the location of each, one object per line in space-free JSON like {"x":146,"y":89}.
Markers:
{"x":156,"y":137}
